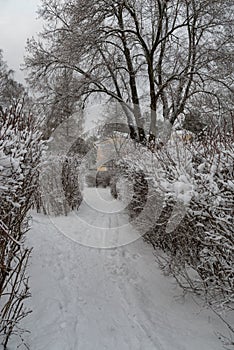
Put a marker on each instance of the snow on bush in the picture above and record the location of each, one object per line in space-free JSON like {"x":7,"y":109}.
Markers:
{"x":212,"y":211}
{"x":50,"y":193}
{"x":20,"y":151}
{"x":59,"y":191}
{"x":61,"y":180}
{"x":193,"y":222}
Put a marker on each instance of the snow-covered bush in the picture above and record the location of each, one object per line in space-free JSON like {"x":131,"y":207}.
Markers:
{"x":61,"y":179}
{"x":212,"y":211}
{"x":20,"y":151}
{"x":71,"y":181}
{"x":51,"y":198}
{"x":59,"y":190}
{"x":193,"y":221}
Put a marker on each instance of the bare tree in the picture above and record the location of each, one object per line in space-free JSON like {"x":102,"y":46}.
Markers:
{"x":152,"y":53}
{"x":11,"y":92}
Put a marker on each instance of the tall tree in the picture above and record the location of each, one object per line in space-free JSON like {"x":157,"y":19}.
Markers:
{"x":11,"y":92}
{"x":153,"y":53}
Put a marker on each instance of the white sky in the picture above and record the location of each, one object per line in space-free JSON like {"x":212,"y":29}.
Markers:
{"x":18,"y":21}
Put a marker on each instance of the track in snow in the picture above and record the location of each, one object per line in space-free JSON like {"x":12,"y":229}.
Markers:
{"x":87,"y":298}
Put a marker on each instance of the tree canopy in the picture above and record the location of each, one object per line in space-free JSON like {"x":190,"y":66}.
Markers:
{"x":163,"y":56}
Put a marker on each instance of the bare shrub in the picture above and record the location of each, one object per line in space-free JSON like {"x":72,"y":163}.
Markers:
{"x":196,"y":222}
{"x":20,"y":151}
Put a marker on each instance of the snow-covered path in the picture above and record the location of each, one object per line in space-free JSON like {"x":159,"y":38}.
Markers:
{"x":87,"y":298}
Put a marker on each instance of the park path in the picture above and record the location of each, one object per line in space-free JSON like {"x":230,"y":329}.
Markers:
{"x":88,"y":298}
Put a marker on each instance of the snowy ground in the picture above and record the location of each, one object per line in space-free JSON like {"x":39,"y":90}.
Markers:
{"x":87,"y":298}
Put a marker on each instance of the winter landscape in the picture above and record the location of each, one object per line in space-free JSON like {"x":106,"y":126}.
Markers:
{"x":116,"y":175}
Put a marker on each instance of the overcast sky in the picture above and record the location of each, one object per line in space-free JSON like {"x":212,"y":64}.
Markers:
{"x":18,"y":21}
